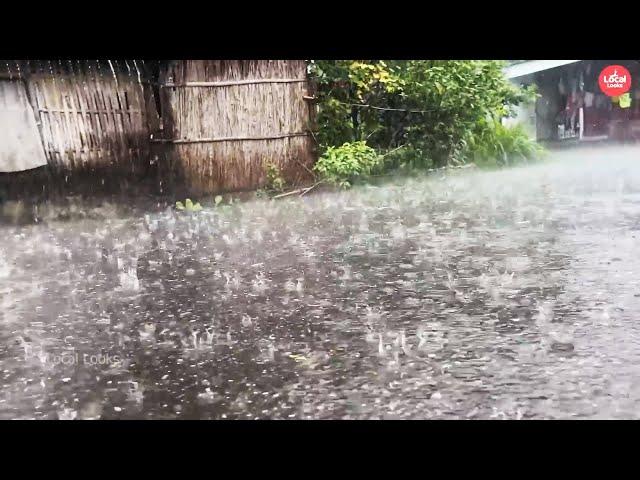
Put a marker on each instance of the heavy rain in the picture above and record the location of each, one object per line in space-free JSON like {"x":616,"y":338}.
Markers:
{"x":319,"y":239}
{"x":460,"y":294}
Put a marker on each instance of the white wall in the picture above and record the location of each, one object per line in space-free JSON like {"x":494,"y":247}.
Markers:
{"x":526,"y":117}
{"x":526,"y":112}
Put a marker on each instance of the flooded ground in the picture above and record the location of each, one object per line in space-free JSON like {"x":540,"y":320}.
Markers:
{"x":469,"y":295}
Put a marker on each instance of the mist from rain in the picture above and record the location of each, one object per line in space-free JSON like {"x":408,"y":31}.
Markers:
{"x":460,"y":294}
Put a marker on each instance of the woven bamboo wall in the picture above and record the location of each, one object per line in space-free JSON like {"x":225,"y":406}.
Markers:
{"x":224,"y":120}
{"x":92,"y":114}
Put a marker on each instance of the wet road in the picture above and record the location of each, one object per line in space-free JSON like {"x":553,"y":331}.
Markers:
{"x":511,"y":294}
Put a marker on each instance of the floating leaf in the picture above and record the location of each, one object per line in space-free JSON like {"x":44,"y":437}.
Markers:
{"x":179,"y":206}
{"x":218,"y":199}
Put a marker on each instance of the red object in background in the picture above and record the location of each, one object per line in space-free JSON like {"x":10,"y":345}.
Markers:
{"x":614,"y":80}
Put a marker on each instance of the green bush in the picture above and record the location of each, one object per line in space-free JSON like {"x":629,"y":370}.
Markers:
{"x":437,"y":109}
{"x":342,"y":165}
{"x":407,"y":158}
{"x":502,"y":145}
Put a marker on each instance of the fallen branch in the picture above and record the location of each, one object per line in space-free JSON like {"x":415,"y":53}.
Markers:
{"x":307,"y":190}
{"x":301,"y":191}
{"x":293,"y":192}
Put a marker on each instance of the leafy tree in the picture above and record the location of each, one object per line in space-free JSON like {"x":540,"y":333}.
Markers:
{"x":437,"y":109}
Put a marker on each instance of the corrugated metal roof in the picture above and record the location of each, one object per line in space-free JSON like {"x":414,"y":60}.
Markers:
{"x":532,"y":66}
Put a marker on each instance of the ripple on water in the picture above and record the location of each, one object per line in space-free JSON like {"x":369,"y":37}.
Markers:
{"x":508,"y":294}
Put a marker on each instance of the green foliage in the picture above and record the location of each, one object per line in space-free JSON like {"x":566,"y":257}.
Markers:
{"x":275,"y":182}
{"x":437,"y":109}
{"x":502,"y":145}
{"x":189,"y":206}
{"x":459,"y":97}
{"x":342,"y":165}
{"x":407,"y":157}
{"x":342,"y":83}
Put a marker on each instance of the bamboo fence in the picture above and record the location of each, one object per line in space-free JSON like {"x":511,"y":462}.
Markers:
{"x":218,"y":123}
{"x":225,"y":120}
{"x":91,"y":114}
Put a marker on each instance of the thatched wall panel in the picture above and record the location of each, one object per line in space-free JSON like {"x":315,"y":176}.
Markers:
{"x":223,"y":136}
{"x":221,"y":168}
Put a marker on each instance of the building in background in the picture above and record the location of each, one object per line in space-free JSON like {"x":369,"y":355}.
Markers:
{"x":570,"y":107}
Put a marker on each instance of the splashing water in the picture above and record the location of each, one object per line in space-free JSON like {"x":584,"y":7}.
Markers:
{"x":509,"y":294}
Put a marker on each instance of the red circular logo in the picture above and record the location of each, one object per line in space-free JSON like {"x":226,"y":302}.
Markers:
{"x":614,"y":80}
